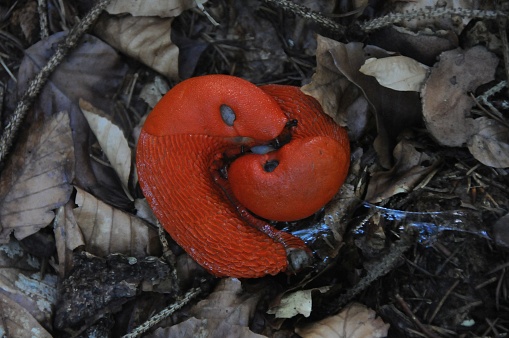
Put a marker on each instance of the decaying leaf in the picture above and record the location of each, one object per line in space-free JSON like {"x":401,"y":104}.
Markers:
{"x":68,"y":237}
{"x":37,"y":178}
{"x":355,"y":321}
{"x":225,"y":313}
{"x":22,"y":282}
{"x":15,"y":321}
{"x":170,"y":8}
{"x":109,"y":230}
{"x":410,"y":168}
{"x":446,"y":103}
{"x":80,"y":75}
{"x":396,"y":72}
{"x":298,"y":302}
{"x":112,"y":141}
{"x":146,"y":39}
{"x":490,"y":143}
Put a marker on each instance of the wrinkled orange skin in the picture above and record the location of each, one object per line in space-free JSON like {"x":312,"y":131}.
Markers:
{"x":184,"y":137}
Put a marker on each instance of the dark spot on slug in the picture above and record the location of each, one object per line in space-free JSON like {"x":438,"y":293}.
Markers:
{"x":227,"y":114}
{"x":291,"y":123}
{"x":285,"y":136}
{"x":270,"y":166}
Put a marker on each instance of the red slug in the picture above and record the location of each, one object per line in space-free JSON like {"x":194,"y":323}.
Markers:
{"x":210,"y":192}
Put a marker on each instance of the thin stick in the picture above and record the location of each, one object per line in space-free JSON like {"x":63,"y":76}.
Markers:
{"x":306,"y":13}
{"x":42,"y":9}
{"x":441,"y":303}
{"x":414,"y":318}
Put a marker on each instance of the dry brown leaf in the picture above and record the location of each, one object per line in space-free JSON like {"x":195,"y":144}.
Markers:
{"x":446,"y":103}
{"x":396,"y":72}
{"x":490,"y":143}
{"x":22,"y":282}
{"x":225,"y":313}
{"x":410,"y":168}
{"x":37,"y":178}
{"x":108,"y":230}
{"x":168,"y":8}
{"x":15,"y":321}
{"x":355,"y":321}
{"x":112,"y":141}
{"x":146,"y":39}
{"x":80,"y":75}
{"x":329,"y":84}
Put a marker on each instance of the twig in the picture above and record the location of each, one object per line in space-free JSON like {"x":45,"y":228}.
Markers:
{"x":35,"y":86}
{"x":168,"y":255}
{"x":42,"y":8}
{"x":388,"y":263}
{"x":441,"y":303}
{"x":384,"y":21}
{"x":414,"y":318}
{"x":7,"y":70}
{"x":306,"y":13}
{"x":423,"y":14}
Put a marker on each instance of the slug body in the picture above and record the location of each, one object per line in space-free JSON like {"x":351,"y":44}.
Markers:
{"x":187,"y":141}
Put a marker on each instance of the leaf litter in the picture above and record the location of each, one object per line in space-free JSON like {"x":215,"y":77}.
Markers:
{"x":420,"y":152}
